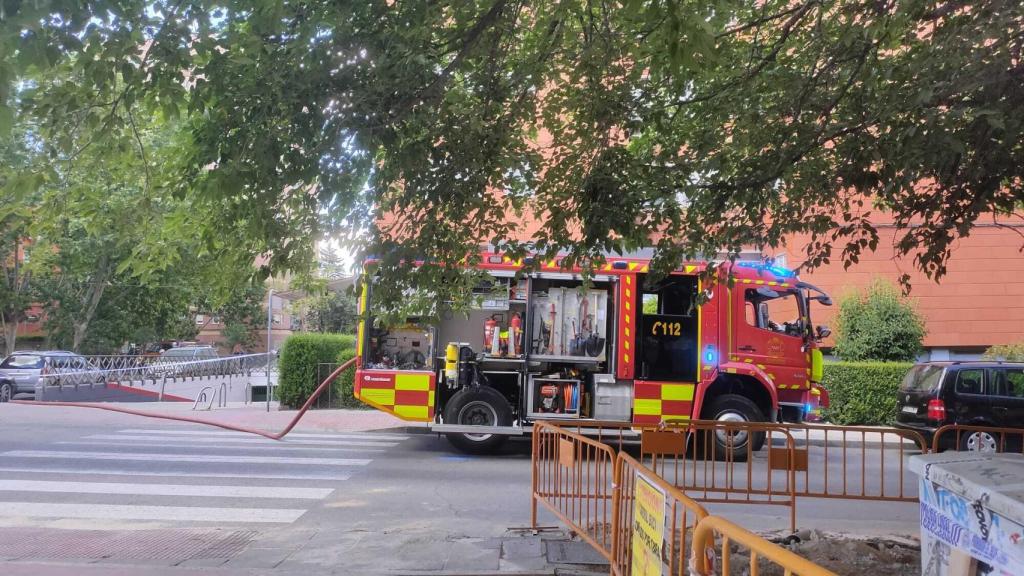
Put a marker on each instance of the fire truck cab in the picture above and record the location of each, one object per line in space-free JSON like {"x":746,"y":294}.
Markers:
{"x":623,"y":347}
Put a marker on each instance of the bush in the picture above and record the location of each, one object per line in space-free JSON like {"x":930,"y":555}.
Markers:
{"x":346,"y":381}
{"x":1006,"y":352}
{"x":878,"y":325}
{"x":300,"y":360}
{"x":863,"y":393}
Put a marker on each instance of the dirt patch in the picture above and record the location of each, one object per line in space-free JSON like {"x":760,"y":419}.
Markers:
{"x":843,"y":554}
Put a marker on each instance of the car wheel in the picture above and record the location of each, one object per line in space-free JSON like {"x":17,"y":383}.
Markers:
{"x":979,"y":441}
{"x":479,"y":406}
{"x":728,"y":445}
{"x":6,"y":391}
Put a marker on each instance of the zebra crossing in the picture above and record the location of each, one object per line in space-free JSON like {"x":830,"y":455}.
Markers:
{"x":181,"y":477}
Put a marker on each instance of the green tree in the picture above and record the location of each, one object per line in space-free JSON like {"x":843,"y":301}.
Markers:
{"x":878,"y":324}
{"x":691,"y":126}
{"x":1007,"y":352}
{"x":333,"y":312}
{"x":240,"y":309}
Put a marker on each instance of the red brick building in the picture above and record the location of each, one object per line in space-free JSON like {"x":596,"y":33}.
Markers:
{"x":978,"y":303}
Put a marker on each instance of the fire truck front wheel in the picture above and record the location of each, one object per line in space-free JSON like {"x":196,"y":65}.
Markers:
{"x":477,"y":406}
{"x":735,"y":408}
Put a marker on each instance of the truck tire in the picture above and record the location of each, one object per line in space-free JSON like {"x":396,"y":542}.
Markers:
{"x":479,"y":405}
{"x":6,"y":391}
{"x":734,"y":408}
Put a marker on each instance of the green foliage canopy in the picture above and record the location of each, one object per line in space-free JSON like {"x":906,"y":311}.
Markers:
{"x":692,"y":126}
{"x":878,"y":324}
{"x":1008,"y":352}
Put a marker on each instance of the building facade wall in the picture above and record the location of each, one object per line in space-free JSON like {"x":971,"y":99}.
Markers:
{"x":978,"y":303}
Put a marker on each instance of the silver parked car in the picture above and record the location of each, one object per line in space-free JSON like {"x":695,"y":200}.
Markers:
{"x":23,"y":370}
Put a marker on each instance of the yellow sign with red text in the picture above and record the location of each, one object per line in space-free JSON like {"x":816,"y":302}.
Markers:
{"x":648,"y":528}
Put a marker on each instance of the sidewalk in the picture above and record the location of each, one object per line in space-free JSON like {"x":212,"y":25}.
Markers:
{"x":347,"y":420}
{"x":833,"y":436}
{"x":552,"y":553}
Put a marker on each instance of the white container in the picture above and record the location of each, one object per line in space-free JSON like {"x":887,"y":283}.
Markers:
{"x":972,"y":512}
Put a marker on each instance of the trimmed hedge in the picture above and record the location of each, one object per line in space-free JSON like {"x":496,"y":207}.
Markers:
{"x":863,"y":393}
{"x":301,"y":356}
{"x":344,"y":384}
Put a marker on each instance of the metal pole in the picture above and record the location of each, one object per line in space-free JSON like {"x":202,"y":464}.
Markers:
{"x":270,"y":328}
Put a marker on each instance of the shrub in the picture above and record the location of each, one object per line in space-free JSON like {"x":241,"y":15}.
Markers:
{"x":346,"y":381}
{"x":1007,"y":352}
{"x":878,"y":325}
{"x":863,"y":393}
{"x":301,"y":357}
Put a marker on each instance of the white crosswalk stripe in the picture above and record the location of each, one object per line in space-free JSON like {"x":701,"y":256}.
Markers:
{"x":254,"y":447}
{"x":326,"y":476}
{"x":291,"y":436}
{"x":252,"y":440}
{"x":289,"y":492}
{"x":172,"y":513}
{"x":181,"y":477}
{"x":155,"y":457}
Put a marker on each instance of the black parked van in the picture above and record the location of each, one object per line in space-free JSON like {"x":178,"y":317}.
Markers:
{"x":934,"y":394}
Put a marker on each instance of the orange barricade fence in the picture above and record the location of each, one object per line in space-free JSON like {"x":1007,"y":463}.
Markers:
{"x":574,"y":478}
{"x":854,"y":462}
{"x":721,"y":462}
{"x":650,"y":516}
{"x":964,"y":438}
{"x":762,"y":555}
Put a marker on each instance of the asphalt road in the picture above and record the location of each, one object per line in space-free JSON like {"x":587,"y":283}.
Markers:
{"x":125,"y":492}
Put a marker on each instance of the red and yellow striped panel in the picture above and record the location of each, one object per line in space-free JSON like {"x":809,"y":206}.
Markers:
{"x":408,"y":395}
{"x":624,"y":368}
{"x":654,"y":402}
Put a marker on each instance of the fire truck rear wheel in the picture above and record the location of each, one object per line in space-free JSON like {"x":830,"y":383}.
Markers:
{"x":481,"y":406}
{"x":735,"y":408}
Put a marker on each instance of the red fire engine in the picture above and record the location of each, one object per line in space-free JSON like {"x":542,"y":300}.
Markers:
{"x":622,"y":347}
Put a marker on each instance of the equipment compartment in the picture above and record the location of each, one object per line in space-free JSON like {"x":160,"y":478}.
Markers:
{"x":555,"y":397}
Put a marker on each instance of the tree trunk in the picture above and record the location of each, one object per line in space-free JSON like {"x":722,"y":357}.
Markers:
{"x":10,"y":336}
{"x":91,"y":301}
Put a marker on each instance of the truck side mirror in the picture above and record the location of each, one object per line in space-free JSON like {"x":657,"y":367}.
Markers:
{"x":823,"y":332}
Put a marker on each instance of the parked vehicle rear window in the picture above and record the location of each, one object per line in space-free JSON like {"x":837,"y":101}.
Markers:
{"x":922,"y":379}
{"x":23,"y":361}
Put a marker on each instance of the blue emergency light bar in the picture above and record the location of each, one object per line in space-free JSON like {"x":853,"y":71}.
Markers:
{"x":776,"y":270}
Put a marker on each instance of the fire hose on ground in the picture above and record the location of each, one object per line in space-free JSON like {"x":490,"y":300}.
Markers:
{"x":273,"y":436}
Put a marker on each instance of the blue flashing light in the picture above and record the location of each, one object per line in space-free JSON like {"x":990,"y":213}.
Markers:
{"x":620,"y":265}
{"x":710,"y":356}
{"x":808,"y":408}
{"x":778,"y":271}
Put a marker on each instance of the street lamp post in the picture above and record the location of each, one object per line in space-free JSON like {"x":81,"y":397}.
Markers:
{"x":270,"y":328}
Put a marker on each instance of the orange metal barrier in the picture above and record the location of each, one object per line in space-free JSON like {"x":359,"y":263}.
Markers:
{"x":708,"y":561}
{"x":978,"y":438}
{"x":681,"y":515}
{"x":573,"y":477}
{"x":798,"y":460}
{"x":854,"y":462}
{"x":687,"y":455}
